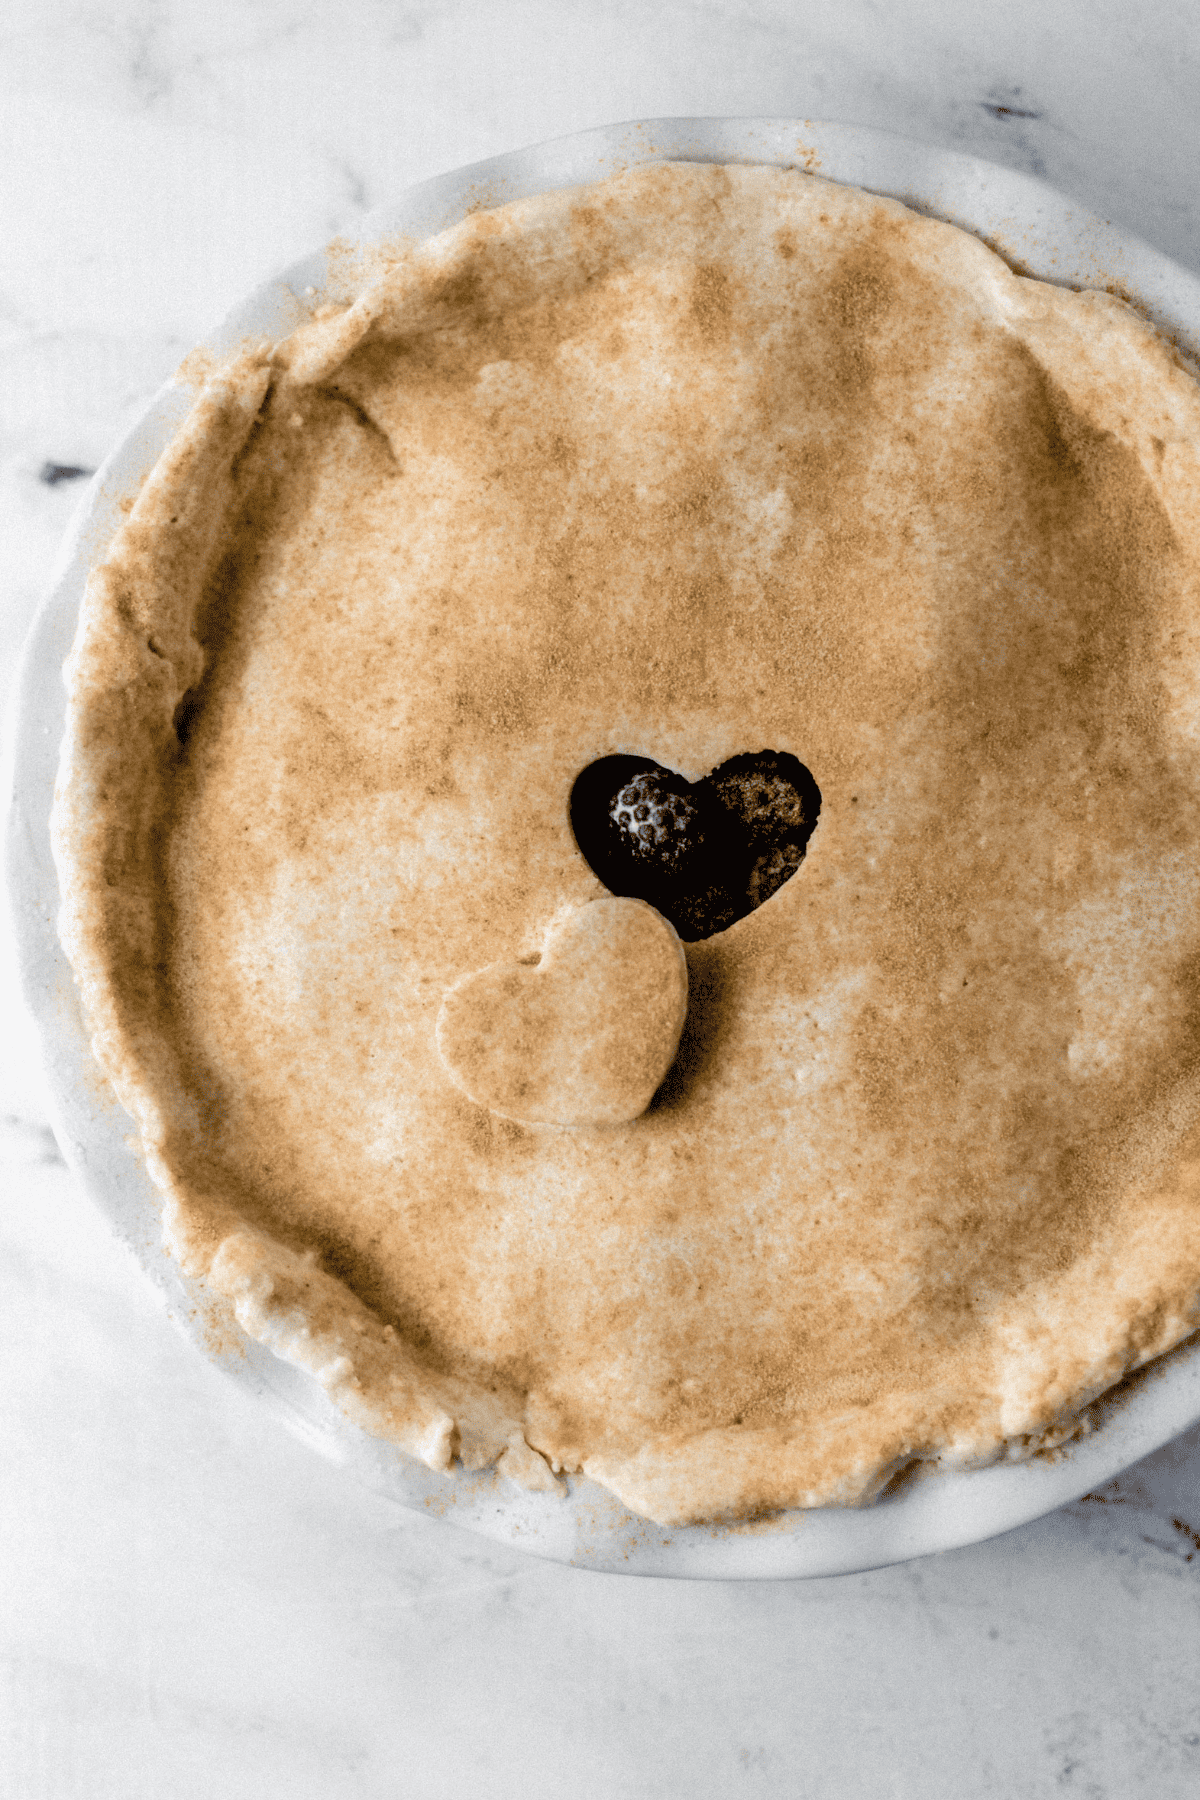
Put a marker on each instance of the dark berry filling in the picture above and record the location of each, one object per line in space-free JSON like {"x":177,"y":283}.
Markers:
{"x":704,"y":853}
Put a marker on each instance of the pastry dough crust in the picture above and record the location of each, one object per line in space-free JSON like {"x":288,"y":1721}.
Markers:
{"x":695,"y":462}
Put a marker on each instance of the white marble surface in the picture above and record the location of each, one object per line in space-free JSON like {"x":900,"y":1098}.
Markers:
{"x":193,"y":1605}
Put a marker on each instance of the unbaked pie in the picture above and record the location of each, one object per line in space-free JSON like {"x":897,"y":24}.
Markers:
{"x":628,"y":836}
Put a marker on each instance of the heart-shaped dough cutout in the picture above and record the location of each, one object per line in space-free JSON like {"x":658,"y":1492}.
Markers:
{"x":582,"y":1037}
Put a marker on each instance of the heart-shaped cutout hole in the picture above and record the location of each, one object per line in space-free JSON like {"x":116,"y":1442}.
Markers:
{"x":704,"y":853}
{"x":583,"y":1036}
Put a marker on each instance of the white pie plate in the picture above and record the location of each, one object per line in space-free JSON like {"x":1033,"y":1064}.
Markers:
{"x":1041,"y":233}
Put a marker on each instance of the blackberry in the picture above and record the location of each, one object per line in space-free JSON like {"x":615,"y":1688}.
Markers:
{"x":658,"y":822}
{"x":767,"y":797}
{"x":701,"y":913}
{"x":771,"y":870}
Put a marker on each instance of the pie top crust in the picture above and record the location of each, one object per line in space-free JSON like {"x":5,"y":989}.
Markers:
{"x":691,"y":463}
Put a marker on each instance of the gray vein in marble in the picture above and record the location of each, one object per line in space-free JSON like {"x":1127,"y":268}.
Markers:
{"x":29,"y":1141}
